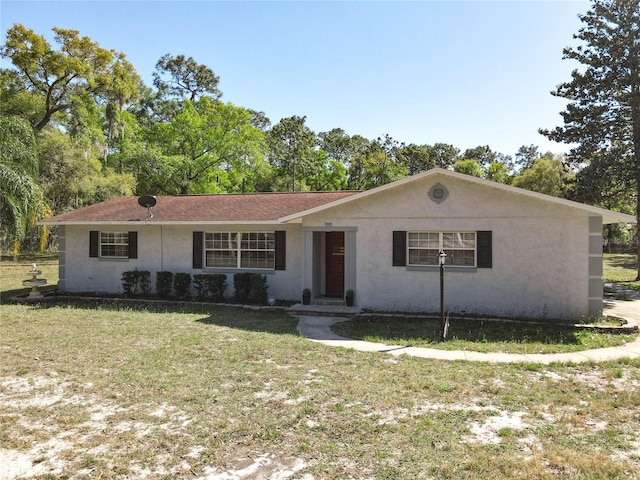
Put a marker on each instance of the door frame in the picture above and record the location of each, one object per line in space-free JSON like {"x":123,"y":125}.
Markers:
{"x":313,"y":258}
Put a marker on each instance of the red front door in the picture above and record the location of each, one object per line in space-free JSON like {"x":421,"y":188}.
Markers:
{"x":335,"y":264}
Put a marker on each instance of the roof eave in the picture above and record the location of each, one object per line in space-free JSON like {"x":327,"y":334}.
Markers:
{"x":608,"y":216}
{"x":164,"y":222}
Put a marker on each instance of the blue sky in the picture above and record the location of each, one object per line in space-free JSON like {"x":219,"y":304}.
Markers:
{"x":467,"y":73}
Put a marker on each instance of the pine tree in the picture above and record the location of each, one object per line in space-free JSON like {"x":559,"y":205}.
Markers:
{"x":603,"y":114}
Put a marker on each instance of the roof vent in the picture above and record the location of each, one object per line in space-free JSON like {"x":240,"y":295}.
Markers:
{"x":147,"y":201}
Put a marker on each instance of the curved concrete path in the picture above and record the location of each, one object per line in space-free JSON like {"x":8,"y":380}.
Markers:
{"x":318,"y":329}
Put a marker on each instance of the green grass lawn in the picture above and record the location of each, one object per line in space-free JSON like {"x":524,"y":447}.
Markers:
{"x":115,"y":392}
{"x":112,"y":391}
{"x":478,"y":335}
{"x":489,"y":336}
{"x":13,"y":273}
{"x":622,"y":269}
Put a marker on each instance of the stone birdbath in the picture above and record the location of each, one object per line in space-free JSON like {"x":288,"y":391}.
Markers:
{"x":34,"y":282}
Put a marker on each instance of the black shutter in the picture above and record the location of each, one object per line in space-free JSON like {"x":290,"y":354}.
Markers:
{"x":399,"y":248}
{"x":280,"y":238}
{"x":484,"y":250}
{"x":197,"y":249}
{"x":133,"y":244}
{"x":94,"y":243}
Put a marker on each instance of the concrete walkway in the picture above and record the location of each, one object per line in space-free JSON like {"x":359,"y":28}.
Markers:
{"x":318,"y":329}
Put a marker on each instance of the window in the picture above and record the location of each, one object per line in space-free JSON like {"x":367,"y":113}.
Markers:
{"x":255,"y":250}
{"x":460,"y":247}
{"x":114,"y":244}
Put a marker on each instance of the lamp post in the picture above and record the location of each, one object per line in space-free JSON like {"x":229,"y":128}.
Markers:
{"x":442,"y":258}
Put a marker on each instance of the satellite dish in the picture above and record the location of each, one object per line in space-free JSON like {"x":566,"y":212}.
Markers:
{"x":147,"y":201}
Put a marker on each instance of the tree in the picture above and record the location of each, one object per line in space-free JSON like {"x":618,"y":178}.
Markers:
{"x":292,"y":148}
{"x":416,"y":158}
{"x":483,"y":155}
{"x":379,"y":164}
{"x":445,"y":155}
{"x":72,"y":174}
{"x":21,"y":199}
{"x":337,"y":145}
{"x":546,"y":175}
{"x":469,"y":166}
{"x":56,"y":78}
{"x":498,"y":172}
{"x":181,"y":78}
{"x":203,"y":137}
{"x":603,"y":114}
{"x":526,"y":155}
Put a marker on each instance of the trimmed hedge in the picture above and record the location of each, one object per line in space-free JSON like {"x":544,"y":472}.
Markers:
{"x":164,"y":280}
{"x":250,"y":288}
{"x":181,"y":284}
{"x":210,"y":286}
{"x":133,"y":280}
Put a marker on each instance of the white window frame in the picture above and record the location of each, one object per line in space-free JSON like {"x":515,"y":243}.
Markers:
{"x":118,"y":242}
{"x":244,"y":248}
{"x":434,"y":242}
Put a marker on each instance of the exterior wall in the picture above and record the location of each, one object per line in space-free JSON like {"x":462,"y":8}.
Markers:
{"x":541,"y":252}
{"x":167,"y":247}
{"x":546,"y":258}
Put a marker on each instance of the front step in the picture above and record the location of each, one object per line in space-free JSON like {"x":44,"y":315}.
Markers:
{"x":324,"y":310}
{"x":327,"y":301}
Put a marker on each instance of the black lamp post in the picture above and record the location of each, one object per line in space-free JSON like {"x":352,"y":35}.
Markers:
{"x":442,"y":258}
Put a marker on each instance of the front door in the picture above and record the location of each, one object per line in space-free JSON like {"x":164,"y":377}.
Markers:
{"x":334,"y":264}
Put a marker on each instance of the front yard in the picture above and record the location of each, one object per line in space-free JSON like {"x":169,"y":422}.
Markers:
{"x":110,"y":391}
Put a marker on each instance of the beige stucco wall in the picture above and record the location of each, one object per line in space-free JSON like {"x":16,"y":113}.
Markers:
{"x":540,"y":252}
{"x":166,"y":247}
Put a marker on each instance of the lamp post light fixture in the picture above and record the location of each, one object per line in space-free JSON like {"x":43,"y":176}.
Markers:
{"x":442,"y":258}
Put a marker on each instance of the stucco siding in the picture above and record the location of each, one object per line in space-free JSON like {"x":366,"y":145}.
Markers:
{"x":540,"y":254}
{"x":168,"y":248}
{"x":546,"y":256}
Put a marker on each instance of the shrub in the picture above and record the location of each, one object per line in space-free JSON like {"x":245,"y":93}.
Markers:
{"x":250,"y":288}
{"x":242,"y":287}
{"x":181,"y":284}
{"x":217,"y":285}
{"x":258,"y":289}
{"x":163,"y":284}
{"x":144,"y":282}
{"x":134,"y":279}
{"x":199,"y":280}
{"x":210,"y":286}
{"x":129,"y":280}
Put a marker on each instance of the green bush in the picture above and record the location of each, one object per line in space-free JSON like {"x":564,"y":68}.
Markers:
{"x":164,"y":281}
{"x":181,"y":284}
{"x":210,"y":286}
{"x":258,"y":290}
{"x":129,"y":280}
{"x":133,"y":280}
{"x":242,"y":287}
{"x":199,"y":281}
{"x":144,"y":282}
{"x":250,"y":288}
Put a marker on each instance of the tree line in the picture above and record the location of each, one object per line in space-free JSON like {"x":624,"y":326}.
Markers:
{"x":79,"y":126}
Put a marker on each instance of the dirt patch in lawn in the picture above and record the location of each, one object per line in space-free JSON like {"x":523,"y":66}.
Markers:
{"x":53,"y":451}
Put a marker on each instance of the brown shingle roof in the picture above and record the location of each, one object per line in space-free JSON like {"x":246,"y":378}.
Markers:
{"x":250,"y":207}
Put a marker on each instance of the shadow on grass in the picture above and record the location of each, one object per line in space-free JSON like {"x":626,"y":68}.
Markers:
{"x":6,"y":295}
{"x":48,"y":258}
{"x":423,"y":332}
{"x":628,"y":262}
{"x":275,"y":321}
